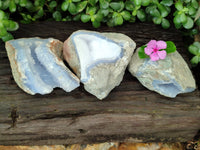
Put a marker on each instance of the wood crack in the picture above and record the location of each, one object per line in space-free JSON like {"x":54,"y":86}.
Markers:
{"x":14,"y":115}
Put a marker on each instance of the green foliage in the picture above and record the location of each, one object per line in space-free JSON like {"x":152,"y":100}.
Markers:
{"x":111,"y":12}
{"x":195,"y":50}
{"x":184,"y":15}
{"x":141,"y":52}
{"x":170,"y":47}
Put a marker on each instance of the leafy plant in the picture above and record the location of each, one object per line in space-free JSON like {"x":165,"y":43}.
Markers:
{"x":110,"y":12}
{"x":185,"y":13}
{"x":195,"y":50}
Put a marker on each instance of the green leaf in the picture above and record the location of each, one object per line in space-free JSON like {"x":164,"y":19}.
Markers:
{"x":99,"y":16}
{"x":29,"y":6}
{"x":155,"y":2}
{"x":129,"y":5}
{"x":3,"y":31}
{"x":193,"y":49}
{"x":22,"y":3}
{"x":81,"y":6}
{"x":197,"y":44}
{"x":12,"y":6}
{"x":141,"y":52}
{"x":52,"y":4}
{"x":92,"y":2}
{"x":134,"y":13}
{"x":165,"y":23}
{"x":192,"y":10}
{"x":195,"y":4}
{"x":126,"y":15}
{"x":150,"y":8}
{"x":178,"y":26}
{"x":145,"y":2}
{"x":65,"y":6}
{"x":76,"y":1}
{"x":57,"y":16}
{"x":91,"y":10}
{"x":168,"y":9}
{"x":118,"y":20}
{"x":72,"y":8}
{"x":10,"y":25}
{"x":85,"y":18}
{"x":198,"y":21}
{"x":39,"y":3}
{"x":105,"y":12}
{"x":170,"y":47}
{"x":40,"y":13}
{"x":7,"y":37}
{"x":183,"y":18}
{"x":2,"y":15}
{"x":115,"y":6}
{"x":154,"y":12}
{"x":186,"y":1}
{"x":137,"y":2}
{"x":141,"y":15}
{"x":5,"y":4}
{"x":133,"y":18}
{"x":104,"y":4}
{"x":77,"y":17}
{"x":1,"y":4}
{"x":163,"y":10}
{"x":193,"y":31}
{"x":16,"y":1}
{"x":166,"y":2}
{"x":96,"y":24}
{"x":189,"y":24}
{"x":157,"y":20}
{"x":195,"y":60}
{"x":177,"y":19}
{"x":179,"y":5}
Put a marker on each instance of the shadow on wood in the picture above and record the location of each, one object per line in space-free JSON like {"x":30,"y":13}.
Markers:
{"x":130,"y":112}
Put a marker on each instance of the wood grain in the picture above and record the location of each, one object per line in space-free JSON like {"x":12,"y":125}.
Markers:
{"x":130,"y":112}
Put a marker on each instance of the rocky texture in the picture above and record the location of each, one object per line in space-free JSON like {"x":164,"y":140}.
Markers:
{"x":37,"y":66}
{"x":98,"y":59}
{"x":168,"y":77}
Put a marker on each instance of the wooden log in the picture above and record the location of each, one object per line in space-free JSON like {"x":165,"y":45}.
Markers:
{"x":130,"y":112}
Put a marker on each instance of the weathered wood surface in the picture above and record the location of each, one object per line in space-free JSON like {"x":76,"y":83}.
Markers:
{"x":129,"y":113}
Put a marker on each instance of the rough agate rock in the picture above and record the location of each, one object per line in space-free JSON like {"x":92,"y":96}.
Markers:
{"x":37,"y":66}
{"x":168,"y":77}
{"x":98,"y":59}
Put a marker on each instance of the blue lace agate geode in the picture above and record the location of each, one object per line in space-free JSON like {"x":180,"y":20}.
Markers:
{"x":98,"y":59}
{"x":37,"y":65}
{"x":168,"y":77}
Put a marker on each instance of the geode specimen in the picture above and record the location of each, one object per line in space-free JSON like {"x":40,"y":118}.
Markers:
{"x":98,"y":59}
{"x":37,"y":65}
{"x":168,"y":77}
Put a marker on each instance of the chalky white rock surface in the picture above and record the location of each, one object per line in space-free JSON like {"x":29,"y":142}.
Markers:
{"x":98,"y":59}
{"x":37,"y":65}
{"x":168,"y":77}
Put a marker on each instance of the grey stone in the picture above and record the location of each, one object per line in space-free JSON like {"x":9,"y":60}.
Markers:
{"x":168,"y":77}
{"x":37,"y":65}
{"x":98,"y":59}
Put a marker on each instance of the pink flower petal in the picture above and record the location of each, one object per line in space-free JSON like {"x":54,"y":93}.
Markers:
{"x":148,"y":50}
{"x":154,"y":57}
{"x":152,"y":44}
{"x":161,"y":45}
{"x":162,"y":54}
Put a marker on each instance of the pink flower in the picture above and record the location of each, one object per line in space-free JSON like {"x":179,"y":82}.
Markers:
{"x":155,"y":50}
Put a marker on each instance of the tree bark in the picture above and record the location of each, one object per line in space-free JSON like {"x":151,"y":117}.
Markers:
{"x":130,"y":112}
